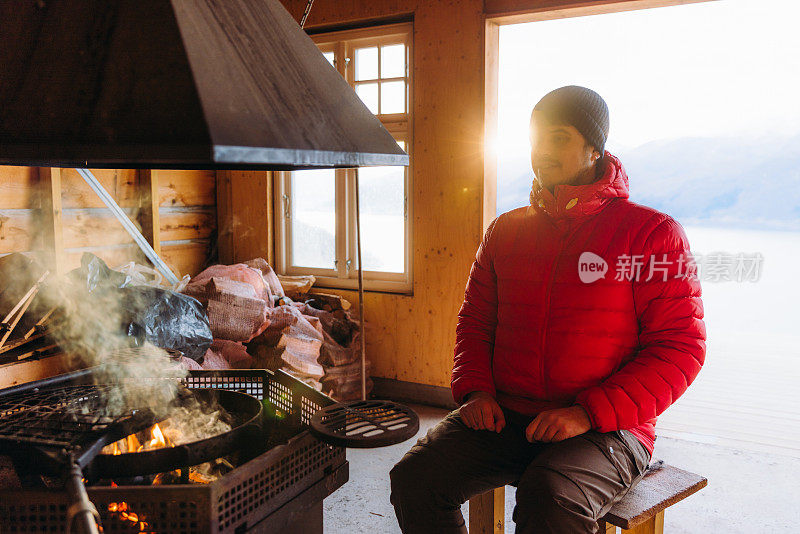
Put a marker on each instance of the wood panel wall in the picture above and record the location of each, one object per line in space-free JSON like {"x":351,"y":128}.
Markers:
{"x":54,"y":211}
{"x":244,"y":215}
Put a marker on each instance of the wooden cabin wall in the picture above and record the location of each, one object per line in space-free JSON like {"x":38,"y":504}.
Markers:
{"x":244,"y":216}
{"x":188,"y":218}
{"x":19,"y":203}
{"x":54,"y":211}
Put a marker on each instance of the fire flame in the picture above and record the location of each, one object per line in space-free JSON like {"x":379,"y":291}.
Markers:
{"x":131,"y":443}
{"x":198,"y":474}
{"x":158,"y":440}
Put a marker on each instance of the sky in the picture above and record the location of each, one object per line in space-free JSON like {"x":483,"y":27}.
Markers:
{"x":721,"y":68}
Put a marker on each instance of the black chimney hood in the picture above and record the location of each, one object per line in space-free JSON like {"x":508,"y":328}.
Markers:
{"x":214,"y":84}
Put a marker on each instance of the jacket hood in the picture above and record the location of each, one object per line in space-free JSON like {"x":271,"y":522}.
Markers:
{"x":575,"y":201}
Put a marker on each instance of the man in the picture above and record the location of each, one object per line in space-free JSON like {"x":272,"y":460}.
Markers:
{"x":581,"y":323}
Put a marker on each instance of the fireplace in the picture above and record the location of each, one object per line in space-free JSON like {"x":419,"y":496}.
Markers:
{"x":223,"y":85}
{"x":277,"y":485}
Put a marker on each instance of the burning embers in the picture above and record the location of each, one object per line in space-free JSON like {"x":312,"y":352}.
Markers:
{"x":206,"y":473}
{"x":120,"y":511}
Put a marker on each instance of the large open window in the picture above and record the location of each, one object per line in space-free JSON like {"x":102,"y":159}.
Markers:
{"x":317,"y":219}
{"x":704,"y":117}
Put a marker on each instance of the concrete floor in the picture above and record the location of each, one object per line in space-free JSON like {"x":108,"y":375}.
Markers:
{"x":747,"y":491}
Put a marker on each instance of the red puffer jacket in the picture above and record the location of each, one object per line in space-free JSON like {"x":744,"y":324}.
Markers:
{"x":539,"y":333}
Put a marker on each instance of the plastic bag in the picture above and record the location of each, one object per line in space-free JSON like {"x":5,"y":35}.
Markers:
{"x":94,"y":273}
{"x":142,"y":275}
{"x":170,"y":320}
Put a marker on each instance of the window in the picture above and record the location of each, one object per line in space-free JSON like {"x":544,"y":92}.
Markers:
{"x":316,"y":230}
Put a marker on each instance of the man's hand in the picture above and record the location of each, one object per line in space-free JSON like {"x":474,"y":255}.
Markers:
{"x":558,"y":425}
{"x":481,"y":412}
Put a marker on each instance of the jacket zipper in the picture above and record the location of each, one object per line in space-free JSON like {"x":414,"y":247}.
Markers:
{"x":547,"y":314}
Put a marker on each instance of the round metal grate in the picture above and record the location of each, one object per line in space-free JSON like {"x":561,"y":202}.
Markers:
{"x":364,"y":424}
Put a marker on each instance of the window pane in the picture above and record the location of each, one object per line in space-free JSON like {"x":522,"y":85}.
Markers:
{"x":393,"y":97}
{"x":313,"y":218}
{"x":368,"y":93}
{"x":382,"y":203}
{"x":393,"y":61}
{"x":367,"y":63}
{"x":329,"y":56}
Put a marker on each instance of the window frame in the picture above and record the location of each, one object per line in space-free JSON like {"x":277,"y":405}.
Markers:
{"x":344,"y":274}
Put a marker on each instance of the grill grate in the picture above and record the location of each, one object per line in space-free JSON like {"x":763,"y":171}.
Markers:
{"x":365,"y":424}
{"x":59,"y":417}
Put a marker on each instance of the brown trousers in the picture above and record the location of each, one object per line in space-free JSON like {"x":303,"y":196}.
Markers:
{"x":562,"y":487}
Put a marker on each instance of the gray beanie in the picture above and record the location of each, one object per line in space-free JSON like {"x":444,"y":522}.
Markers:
{"x":581,"y":108}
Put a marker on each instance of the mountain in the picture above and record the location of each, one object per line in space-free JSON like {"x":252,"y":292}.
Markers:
{"x":724,"y":181}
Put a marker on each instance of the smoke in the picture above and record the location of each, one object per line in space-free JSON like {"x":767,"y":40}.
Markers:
{"x":92,"y":324}
{"x":194,"y":421}
{"x":91,"y":321}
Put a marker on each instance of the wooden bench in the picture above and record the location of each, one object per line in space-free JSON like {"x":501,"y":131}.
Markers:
{"x":641,"y":511}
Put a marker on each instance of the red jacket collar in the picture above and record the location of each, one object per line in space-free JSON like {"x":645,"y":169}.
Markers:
{"x":574,"y":201}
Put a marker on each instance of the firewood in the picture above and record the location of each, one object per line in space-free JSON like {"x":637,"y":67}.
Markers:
{"x":21,"y":308}
{"x":335,"y":302}
{"x":32,"y":291}
{"x":16,"y":343}
{"x":268,"y":274}
{"x":40,"y":323}
{"x":334,"y":354}
{"x":294,"y":286}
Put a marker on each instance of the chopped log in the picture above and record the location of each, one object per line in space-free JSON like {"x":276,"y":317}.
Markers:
{"x":321,"y":300}
{"x":309,"y":380}
{"x":295,"y":286}
{"x":39,"y":324}
{"x":268,"y":274}
{"x":237,"y":274}
{"x":281,"y":317}
{"x":269,"y":337}
{"x":343,"y":382}
{"x":301,"y":354}
{"x":333,"y":354}
{"x":235,"y":311}
{"x":267,"y":356}
{"x":292,"y":339}
{"x":224,"y":354}
{"x":338,"y":324}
